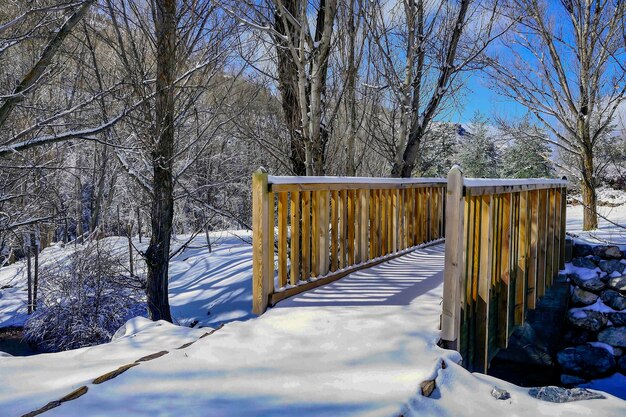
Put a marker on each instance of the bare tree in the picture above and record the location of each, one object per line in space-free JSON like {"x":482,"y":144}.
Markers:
{"x":425,"y":49}
{"x":566,"y":63}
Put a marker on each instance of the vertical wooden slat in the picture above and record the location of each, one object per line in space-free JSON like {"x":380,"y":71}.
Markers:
{"x":550,"y":235}
{"x":505,"y":253}
{"x":334,"y":251}
{"x":262,"y":242}
{"x":315,"y":233}
{"x":282,"y":239}
{"x":383,"y":222}
{"x":531,"y":300}
{"x":410,"y":204}
{"x":295,"y":237}
{"x":541,"y":249}
{"x":395,"y":224}
{"x":401,"y":245}
{"x":323,"y":232}
{"x":562,"y":225}
{"x":389,"y":201}
{"x":484,"y":285}
{"x":343,"y":219}
{"x":351,"y":225}
{"x":306,"y":235}
{"x":363,"y":196}
{"x":372,"y":229}
{"x":522,"y":260}
{"x":378,"y":225}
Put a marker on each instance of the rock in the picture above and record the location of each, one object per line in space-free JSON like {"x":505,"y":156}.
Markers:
{"x":586,"y":320}
{"x":586,"y":361}
{"x":618,"y":284}
{"x":618,"y":319}
{"x":621,"y":365}
{"x":613,"y":252}
{"x":500,"y":394}
{"x":584,"y":263}
{"x":428,"y":387}
{"x":614,"y":336}
{"x":572,"y":380}
{"x":574,"y":336}
{"x":607,"y":252}
{"x":614,"y":300}
{"x":593,"y":284}
{"x":581,"y":249}
{"x":617,"y":352}
{"x":524,"y":346}
{"x":611,"y":266}
{"x":580,"y":296}
{"x":563,"y":395}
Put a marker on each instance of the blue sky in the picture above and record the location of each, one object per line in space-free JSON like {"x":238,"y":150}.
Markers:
{"x":479,"y":97}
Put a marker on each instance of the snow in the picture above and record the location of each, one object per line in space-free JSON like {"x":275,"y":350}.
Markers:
{"x":583,"y":273}
{"x":598,"y":306}
{"x":608,"y":232}
{"x":207,"y":288}
{"x":30,"y":382}
{"x":352,"y":180}
{"x":494,"y":182}
{"x":357,"y":347}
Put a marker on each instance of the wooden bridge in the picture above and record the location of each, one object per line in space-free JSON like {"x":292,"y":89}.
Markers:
{"x":504,"y":243}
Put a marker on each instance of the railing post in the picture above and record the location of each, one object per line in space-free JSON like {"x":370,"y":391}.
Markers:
{"x":262,"y":242}
{"x":453,"y":272}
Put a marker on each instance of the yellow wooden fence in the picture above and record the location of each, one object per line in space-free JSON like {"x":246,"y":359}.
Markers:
{"x":309,"y":231}
{"x":505,"y":244}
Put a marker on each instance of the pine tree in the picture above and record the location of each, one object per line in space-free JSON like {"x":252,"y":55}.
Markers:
{"x":528,"y":154}
{"x":478,"y":154}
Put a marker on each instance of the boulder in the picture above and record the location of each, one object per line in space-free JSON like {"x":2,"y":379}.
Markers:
{"x":614,"y":300}
{"x":621,"y":365}
{"x":593,"y":284}
{"x":618,"y":319}
{"x":580,"y":296}
{"x":584,"y":263}
{"x":618,"y":284}
{"x":574,"y":336}
{"x":563,"y":395}
{"x":614,"y":336}
{"x":586,"y":361}
{"x":611,"y":266}
{"x":586,"y":320}
{"x":572,"y":380}
{"x":607,"y":252}
{"x":581,"y":249}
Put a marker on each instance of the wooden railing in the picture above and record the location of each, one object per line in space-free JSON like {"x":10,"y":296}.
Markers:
{"x":328,"y":227}
{"x":505,"y":243}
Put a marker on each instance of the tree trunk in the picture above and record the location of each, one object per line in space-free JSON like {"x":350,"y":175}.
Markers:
{"x":162,"y":213}
{"x":588,"y":190}
{"x":288,"y":87}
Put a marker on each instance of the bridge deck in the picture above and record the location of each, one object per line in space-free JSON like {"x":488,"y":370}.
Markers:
{"x":360,"y":346}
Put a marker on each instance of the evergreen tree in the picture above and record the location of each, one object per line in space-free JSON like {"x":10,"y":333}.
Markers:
{"x":478,"y":154}
{"x":528,"y":155}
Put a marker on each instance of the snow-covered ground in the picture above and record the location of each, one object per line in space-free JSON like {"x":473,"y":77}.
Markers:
{"x":358,"y":347}
{"x":207,"y":288}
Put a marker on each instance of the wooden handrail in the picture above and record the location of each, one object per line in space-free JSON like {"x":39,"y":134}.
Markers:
{"x":505,"y":243}
{"x":328,"y":227}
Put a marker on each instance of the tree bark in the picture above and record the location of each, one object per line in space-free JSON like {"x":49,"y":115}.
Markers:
{"x":162,"y":213}
{"x":588,"y":190}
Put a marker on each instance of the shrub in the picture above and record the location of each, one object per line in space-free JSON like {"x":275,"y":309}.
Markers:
{"x":83,"y":300}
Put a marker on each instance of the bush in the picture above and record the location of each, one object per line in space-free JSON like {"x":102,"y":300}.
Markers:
{"x":83,"y":300}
